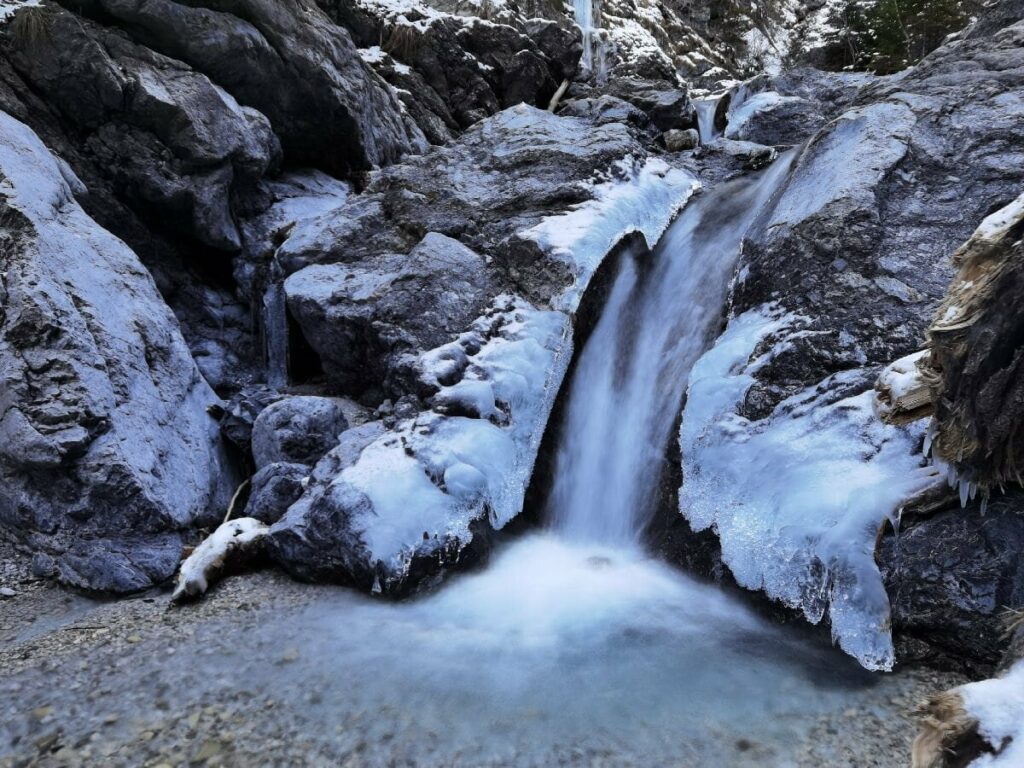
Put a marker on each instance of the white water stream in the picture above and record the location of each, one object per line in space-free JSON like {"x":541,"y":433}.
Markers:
{"x":628,"y":384}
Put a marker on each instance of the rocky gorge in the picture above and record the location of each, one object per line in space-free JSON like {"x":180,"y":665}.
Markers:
{"x":322,"y":286}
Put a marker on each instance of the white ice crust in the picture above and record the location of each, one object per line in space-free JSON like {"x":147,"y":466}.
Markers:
{"x":797,"y":497}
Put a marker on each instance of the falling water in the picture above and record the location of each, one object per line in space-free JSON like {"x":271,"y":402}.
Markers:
{"x":275,"y":334}
{"x":706,"y":109}
{"x":629,"y":381}
{"x":584,"y":12}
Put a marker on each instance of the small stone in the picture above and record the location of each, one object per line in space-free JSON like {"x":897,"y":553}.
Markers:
{"x":133,"y":639}
{"x":7,"y":592}
{"x":677,"y":140}
{"x":210,"y":749}
{"x":290,"y":655}
{"x":110,"y":719}
{"x":40,"y":712}
{"x":47,"y":741}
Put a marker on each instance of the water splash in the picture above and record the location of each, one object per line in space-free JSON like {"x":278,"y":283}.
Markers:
{"x":627,"y":389}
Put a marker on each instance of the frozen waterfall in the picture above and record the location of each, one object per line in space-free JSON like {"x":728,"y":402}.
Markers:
{"x":628,"y":385}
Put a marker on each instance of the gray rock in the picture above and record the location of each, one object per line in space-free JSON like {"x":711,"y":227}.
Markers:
{"x":361,"y":318}
{"x":667,"y":107}
{"x":275,"y":488}
{"x":163,"y":135}
{"x":952,"y":575}
{"x":677,"y":140}
{"x":106,"y":446}
{"x":286,"y":59}
{"x":297,"y":430}
{"x":605,"y":109}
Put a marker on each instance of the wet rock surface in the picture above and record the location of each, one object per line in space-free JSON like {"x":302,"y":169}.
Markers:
{"x":951,"y":578}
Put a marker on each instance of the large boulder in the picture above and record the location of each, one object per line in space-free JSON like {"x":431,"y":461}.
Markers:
{"x":165,"y":137}
{"x":952,"y":575}
{"x":288,"y":60}
{"x":362,"y":318}
{"x":107,"y":449}
{"x":297,"y":430}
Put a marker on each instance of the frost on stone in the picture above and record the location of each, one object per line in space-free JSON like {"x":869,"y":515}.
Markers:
{"x":646,"y":202}
{"x":472,"y":456}
{"x":744,"y":106}
{"x":998,"y":706}
{"x":233,"y":541}
{"x":901,"y":393}
{"x":797,"y":497}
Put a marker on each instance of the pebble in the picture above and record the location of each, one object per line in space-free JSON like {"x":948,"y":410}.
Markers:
{"x":7,"y":592}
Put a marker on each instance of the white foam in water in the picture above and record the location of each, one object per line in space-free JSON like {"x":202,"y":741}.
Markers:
{"x":630,"y":377}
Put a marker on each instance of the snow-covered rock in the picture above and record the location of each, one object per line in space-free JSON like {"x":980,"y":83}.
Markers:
{"x":797,"y":496}
{"x":107,"y":449}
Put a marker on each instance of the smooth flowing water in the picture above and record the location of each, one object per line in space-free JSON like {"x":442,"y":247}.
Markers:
{"x":706,"y":109}
{"x":630,"y":378}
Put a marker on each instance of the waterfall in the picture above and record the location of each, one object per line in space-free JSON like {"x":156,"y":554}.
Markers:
{"x":275,"y":334}
{"x":706,"y":109}
{"x":584,"y":11}
{"x":630,"y":378}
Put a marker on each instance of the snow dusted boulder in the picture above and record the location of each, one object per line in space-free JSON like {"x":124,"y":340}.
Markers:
{"x":138,"y":112}
{"x":787,"y":108}
{"x":362,"y":318}
{"x":393,"y":511}
{"x":286,"y":59}
{"x":107,"y":451}
{"x":297,"y":430}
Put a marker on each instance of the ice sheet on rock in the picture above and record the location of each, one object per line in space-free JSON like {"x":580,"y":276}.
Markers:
{"x":998,"y":705}
{"x":437,"y":473}
{"x":302,"y":198}
{"x":797,"y":498}
{"x":646,"y":202}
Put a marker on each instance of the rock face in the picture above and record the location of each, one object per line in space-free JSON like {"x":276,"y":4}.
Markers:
{"x":137,"y":111}
{"x":107,"y":451}
{"x":952,"y":575}
{"x":287,"y":60}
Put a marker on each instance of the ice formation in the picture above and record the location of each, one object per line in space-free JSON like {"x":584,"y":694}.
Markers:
{"x":797,"y":498}
{"x":437,"y":473}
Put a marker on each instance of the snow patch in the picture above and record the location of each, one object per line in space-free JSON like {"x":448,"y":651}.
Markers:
{"x":797,"y":497}
{"x":9,"y":7}
{"x":998,"y":705}
{"x":995,"y":226}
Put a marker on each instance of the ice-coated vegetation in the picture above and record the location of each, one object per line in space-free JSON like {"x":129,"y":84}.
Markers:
{"x":797,"y":497}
